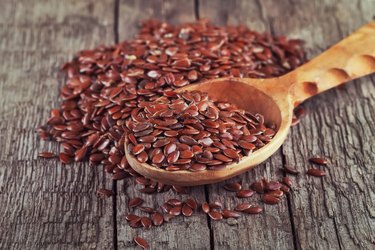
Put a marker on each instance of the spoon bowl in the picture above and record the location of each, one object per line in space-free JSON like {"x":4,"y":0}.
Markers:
{"x":248,"y":94}
{"x":275,"y":98}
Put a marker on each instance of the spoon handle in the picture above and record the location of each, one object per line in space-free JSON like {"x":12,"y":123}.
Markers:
{"x":351,"y":58}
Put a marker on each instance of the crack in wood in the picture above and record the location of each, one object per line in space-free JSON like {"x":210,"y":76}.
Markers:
{"x":333,"y":217}
{"x":290,"y":210}
{"x":337,"y":232}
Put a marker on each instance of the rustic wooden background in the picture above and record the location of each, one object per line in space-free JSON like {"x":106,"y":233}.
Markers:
{"x":44,"y":205}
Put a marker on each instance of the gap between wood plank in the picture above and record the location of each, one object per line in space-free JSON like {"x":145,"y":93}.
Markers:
{"x":116,"y":20}
{"x":212,"y":239}
{"x":114,"y":214}
{"x":206,"y":191}
{"x":114,"y":182}
{"x":196,"y":9}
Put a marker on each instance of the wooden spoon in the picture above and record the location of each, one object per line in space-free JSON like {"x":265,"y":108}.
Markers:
{"x":275,"y":98}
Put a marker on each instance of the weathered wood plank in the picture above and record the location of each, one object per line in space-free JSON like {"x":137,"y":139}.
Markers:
{"x":272,"y":229}
{"x":234,"y":12}
{"x":340,"y":125}
{"x":180,"y":233}
{"x":269,"y":230}
{"x":132,"y":12}
{"x":46,"y":205}
{"x":338,"y":211}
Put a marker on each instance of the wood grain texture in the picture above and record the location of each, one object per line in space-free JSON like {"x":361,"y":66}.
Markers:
{"x":132,"y":12}
{"x":48,"y":206}
{"x":247,"y":234}
{"x":336,"y":212}
{"x":180,"y":233}
{"x":253,"y":231}
{"x":45,"y":205}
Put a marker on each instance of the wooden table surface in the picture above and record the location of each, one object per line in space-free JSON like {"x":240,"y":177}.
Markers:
{"x":45,"y":205}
